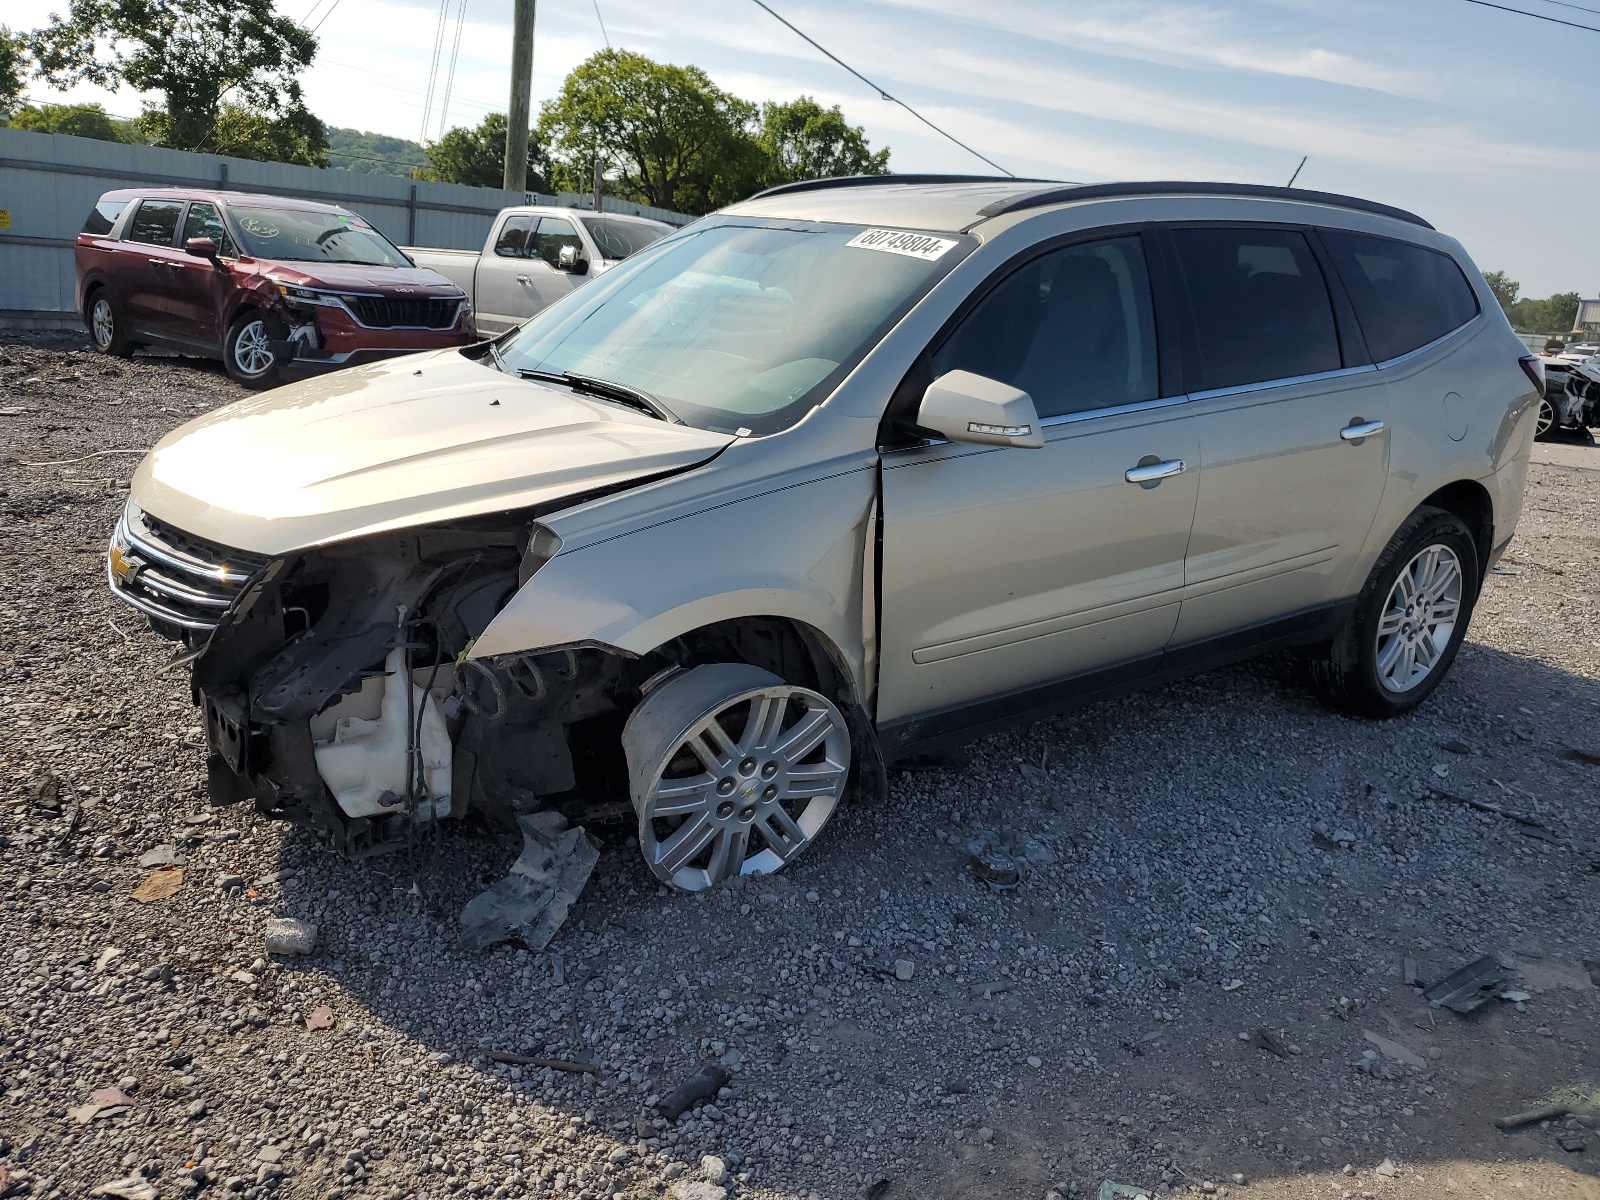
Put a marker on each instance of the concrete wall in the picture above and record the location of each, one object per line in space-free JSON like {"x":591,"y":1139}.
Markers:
{"x":49,"y":183}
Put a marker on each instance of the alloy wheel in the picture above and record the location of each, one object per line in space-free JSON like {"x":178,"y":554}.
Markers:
{"x":1547,"y":417}
{"x":251,"y":351}
{"x":1419,"y":618}
{"x":102,"y":322}
{"x":745,"y":783}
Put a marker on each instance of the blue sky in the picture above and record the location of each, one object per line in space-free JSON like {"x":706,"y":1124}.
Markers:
{"x":1469,"y":116}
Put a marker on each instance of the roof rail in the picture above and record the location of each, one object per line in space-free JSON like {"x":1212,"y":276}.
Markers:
{"x":844,"y":181}
{"x":1096,"y":191}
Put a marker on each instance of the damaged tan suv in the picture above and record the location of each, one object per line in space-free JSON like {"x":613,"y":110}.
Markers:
{"x":832,"y":477}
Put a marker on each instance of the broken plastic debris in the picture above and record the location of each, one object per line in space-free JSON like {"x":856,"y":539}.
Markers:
{"x":161,"y":884}
{"x":993,"y":865}
{"x":1470,"y":987}
{"x":702,"y":1085}
{"x":1117,"y":1191}
{"x":320,"y":1017}
{"x":533,"y":900}
{"x":1393,"y":1049}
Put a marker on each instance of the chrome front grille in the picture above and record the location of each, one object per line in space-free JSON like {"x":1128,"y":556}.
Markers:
{"x":174,"y":576}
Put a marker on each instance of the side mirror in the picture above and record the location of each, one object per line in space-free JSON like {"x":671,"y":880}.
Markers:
{"x":569,"y":259}
{"x":972,"y":408}
{"x":201,"y":247}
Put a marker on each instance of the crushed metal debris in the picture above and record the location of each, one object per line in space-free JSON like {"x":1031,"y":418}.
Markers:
{"x":533,"y":899}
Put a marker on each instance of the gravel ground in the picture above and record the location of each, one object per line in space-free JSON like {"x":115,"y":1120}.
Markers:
{"x":1199,"y":985}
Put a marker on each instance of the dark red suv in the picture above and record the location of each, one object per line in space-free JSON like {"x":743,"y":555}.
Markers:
{"x":276,"y":288}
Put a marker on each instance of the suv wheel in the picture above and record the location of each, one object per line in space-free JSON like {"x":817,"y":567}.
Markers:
{"x":247,"y":351}
{"x":105,"y":328}
{"x":733,"y":772}
{"x":1410,"y":619}
{"x":1547,"y":419}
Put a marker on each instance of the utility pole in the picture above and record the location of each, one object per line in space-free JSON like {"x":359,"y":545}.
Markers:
{"x":599,"y":184}
{"x":516,"y":176}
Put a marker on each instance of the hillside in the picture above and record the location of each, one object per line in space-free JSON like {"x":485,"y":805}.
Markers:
{"x":373,"y":153}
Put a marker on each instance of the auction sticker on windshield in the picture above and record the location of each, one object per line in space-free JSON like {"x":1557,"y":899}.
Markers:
{"x":898,"y":241}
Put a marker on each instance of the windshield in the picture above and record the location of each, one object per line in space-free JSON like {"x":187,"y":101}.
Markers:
{"x":618,"y":239}
{"x":737,"y":326}
{"x":305,"y":235}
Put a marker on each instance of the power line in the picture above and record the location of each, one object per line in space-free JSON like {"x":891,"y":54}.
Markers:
{"x":1579,"y":7}
{"x":602,"y":21}
{"x":433,"y":69}
{"x":450,"y":77}
{"x":325,"y":16}
{"x":1520,"y":12}
{"x":884,"y":94}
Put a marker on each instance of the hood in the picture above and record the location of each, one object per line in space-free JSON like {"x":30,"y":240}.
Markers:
{"x":355,"y":277}
{"x":428,"y":437}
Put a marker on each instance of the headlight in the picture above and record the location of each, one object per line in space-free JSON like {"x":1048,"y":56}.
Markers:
{"x":300,"y":295}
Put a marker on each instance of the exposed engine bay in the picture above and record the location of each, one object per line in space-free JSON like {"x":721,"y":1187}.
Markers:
{"x":339,"y":693}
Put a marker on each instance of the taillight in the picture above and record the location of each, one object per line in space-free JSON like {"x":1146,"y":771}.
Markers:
{"x":1533,"y":368}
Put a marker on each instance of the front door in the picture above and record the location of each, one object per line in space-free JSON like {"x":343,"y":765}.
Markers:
{"x":1288,"y":492}
{"x":199,"y":284}
{"x":1006,"y":570}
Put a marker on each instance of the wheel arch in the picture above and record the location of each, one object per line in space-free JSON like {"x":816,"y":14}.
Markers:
{"x":1470,"y":501}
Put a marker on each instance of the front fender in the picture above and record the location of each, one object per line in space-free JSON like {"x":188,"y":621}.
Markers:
{"x":795,"y":553}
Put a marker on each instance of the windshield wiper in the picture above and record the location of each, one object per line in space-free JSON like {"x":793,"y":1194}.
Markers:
{"x":608,"y":390}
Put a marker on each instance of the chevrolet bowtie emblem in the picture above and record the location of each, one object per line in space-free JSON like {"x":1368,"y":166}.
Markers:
{"x":123,"y":569}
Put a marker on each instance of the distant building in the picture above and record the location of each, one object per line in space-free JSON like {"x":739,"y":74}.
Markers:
{"x":1588,"y":314}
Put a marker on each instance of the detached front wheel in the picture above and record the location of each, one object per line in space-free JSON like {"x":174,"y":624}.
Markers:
{"x":733,"y":772}
{"x":247,"y":351}
{"x":1410,"y":620}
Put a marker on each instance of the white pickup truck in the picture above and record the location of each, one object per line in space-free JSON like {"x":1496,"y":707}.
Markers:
{"x":536,"y":255}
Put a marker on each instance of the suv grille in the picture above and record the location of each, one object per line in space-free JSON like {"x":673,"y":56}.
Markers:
{"x":173,"y":576}
{"x":393,"y":312}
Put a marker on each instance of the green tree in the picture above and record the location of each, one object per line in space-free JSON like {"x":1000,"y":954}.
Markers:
{"x":1505,"y":289}
{"x":13,"y":71}
{"x":674,"y":138}
{"x":803,"y":140}
{"x":293,"y":137}
{"x":477,"y":157}
{"x":1553,"y":314}
{"x":79,"y":120}
{"x":374,"y":153}
{"x":196,"y":53}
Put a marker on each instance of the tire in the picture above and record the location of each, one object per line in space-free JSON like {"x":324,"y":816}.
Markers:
{"x":105,"y":325}
{"x":1392,"y":655}
{"x":733,"y":772}
{"x":245,"y":353}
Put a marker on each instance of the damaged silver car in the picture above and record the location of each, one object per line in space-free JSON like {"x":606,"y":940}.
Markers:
{"x":828,"y":480}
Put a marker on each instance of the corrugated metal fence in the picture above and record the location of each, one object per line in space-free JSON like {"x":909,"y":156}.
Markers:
{"x":49,"y":182}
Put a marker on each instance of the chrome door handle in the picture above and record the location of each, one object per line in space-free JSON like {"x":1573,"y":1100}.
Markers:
{"x":1155,"y":472}
{"x":1360,"y":429}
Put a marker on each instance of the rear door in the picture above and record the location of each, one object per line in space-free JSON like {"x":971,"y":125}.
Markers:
{"x":503,"y":294}
{"x":148,"y":266}
{"x":1293,"y":429}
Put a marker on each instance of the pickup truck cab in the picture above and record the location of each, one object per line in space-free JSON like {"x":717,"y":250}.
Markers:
{"x":535,"y":255}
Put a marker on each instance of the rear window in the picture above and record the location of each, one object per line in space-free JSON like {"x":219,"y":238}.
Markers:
{"x":618,"y":239}
{"x":156,"y":222}
{"x":1405,"y":296}
{"x":104,"y":216}
{"x":1260,"y":304}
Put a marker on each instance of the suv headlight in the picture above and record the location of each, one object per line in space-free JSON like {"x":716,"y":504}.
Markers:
{"x":299,"y":295}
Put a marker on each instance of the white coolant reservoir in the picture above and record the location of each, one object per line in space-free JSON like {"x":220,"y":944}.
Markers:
{"x":363,"y":762}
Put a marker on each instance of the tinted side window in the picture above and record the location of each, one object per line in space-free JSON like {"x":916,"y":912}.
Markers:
{"x":554,"y":233}
{"x":1073,"y":328}
{"x":203,"y":220}
{"x":1405,"y":296}
{"x":514,"y":237}
{"x":155,"y":222}
{"x":1260,"y":305}
{"x":104,"y":216}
